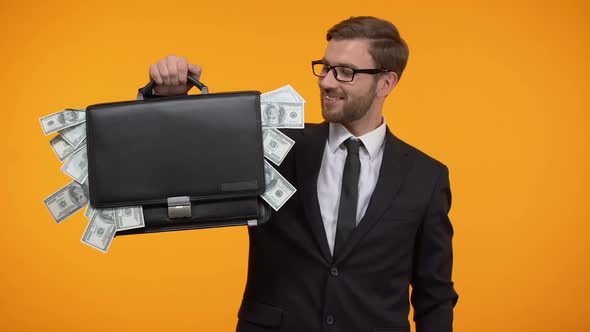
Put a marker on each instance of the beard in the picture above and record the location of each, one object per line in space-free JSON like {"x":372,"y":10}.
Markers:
{"x":352,"y":109}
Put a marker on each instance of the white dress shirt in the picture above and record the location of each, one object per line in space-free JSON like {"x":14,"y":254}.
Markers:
{"x":330,"y":177}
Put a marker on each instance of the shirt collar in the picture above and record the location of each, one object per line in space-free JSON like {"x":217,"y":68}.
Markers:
{"x":372,"y":141}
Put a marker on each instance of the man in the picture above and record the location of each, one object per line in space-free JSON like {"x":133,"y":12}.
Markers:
{"x":76,"y":195}
{"x":68,"y":116}
{"x":370,"y":215}
{"x":274,"y":115}
{"x":269,"y":179}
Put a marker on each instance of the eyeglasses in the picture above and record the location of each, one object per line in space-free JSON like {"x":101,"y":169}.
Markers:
{"x":341,"y":73}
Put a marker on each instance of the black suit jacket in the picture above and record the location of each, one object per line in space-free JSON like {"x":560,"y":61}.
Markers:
{"x":294,"y":284}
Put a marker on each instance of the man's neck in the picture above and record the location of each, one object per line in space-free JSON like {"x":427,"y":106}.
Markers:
{"x":363,"y":126}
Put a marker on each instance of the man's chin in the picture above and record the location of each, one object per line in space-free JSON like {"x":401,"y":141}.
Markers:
{"x":336,"y":115}
{"x":342,"y":116}
{"x":331,"y":116}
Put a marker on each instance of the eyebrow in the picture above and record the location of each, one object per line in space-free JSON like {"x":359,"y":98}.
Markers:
{"x":350,"y":65}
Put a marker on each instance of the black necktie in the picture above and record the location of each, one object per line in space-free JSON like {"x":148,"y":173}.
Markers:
{"x":349,"y":193}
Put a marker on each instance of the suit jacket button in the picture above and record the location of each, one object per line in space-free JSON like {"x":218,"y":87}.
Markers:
{"x":334,"y":271}
{"x":329,"y":319}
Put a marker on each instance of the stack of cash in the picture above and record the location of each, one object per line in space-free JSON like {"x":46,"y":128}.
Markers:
{"x":70,"y":147}
{"x":281,"y":108}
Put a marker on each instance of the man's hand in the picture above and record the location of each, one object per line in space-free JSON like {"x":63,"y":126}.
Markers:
{"x":170,"y":75}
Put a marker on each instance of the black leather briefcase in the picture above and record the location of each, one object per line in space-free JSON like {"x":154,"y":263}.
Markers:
{"x":191,"y":161}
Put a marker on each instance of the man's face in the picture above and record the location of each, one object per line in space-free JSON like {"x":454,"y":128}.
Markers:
{"x":70,"y":116}
{"x":268,"y":177}
{"x":351,"y":101}
{"x":78,"y":195}
{"x":273,"y":115}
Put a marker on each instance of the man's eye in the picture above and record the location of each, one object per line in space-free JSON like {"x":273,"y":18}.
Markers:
{"x":345,"y":71}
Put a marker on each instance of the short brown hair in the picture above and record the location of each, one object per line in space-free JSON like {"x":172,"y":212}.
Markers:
{"x":388,"y":49}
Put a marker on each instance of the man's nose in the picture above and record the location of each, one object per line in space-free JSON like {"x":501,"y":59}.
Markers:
{"x":329,"y":81}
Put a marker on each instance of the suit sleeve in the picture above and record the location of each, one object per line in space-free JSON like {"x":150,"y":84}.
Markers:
{"x":433,"y":296}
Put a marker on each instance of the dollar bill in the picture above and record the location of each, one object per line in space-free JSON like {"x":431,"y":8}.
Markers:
{"x":89,"y":212}
{"x":100,"y":230}
{"x":76,"y":165}
{"x":74,"y":135}
{"x":285,"y":94}
{"x":66,"y":201}
{"x":278,"y":189}
{"x":129,"y":217}
{"x":61,"y":147}
{"x":297,"y":95}
{"x":62,"y":120}
{"x":282,"y":115}
{"x":276,"y":145}
{"x":86,"y":188}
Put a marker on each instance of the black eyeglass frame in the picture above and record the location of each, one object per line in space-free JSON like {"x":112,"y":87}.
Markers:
{"x":354,"y":71}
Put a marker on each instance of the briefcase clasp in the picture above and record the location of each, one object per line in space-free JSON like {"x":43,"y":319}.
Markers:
{"x":179,"y":207}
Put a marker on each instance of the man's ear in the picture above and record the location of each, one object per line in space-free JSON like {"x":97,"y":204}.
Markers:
{"x":387,"y":82}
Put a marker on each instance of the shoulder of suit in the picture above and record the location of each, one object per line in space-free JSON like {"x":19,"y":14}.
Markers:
{"x":420,"y":157}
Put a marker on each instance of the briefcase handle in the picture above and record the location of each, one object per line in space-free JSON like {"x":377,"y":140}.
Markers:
{"x":146,"y":91}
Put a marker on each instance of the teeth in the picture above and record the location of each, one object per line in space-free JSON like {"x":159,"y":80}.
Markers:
{"x":331,"y":98}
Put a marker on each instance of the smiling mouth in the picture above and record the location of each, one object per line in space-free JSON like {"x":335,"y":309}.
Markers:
{"x":328,"y":98}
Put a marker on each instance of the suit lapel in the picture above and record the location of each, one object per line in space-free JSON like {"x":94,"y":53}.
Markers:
{"x":394,"y":167}
{"x":309,"y":160}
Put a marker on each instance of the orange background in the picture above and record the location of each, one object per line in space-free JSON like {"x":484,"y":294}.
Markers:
{"x":495,"y":89}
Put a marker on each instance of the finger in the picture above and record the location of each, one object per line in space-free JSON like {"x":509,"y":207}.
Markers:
{"x":195,"y":70}
{"x":163,"y":69}
{"x":155,"y":74}
{"x":171,"y":63}
{"x":182,"y":66}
